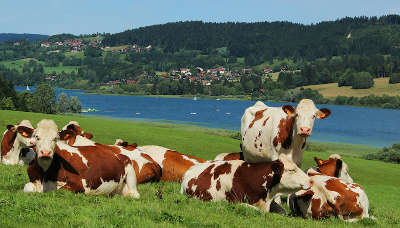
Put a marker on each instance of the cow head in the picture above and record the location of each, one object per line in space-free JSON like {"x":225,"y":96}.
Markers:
{"x":305,"y":112}
{"x":24,"y":132}
{"x":74,"y":126}
{"x":334,"y":167}
{"x":293,"y":178}
{"x":46,"y":135}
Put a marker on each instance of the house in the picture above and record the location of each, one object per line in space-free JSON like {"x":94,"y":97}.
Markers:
{"x":267,"y":70}
{"x":45,"y":44}
{"x":247,"y":70}
{"x":50,"y":77}
{"x":130,"y":81}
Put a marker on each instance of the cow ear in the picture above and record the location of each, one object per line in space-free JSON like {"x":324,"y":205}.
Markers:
{"x":134,"y":145}
{"x":318,"y":161}
{"x":65,"y":134}
{"x":339,"y":165}
{"x":11,"y":127}
{"x":288,"y":109}
{"x":124,"y":144}
{"x":323,"y":113}
{"x":87,"y":135}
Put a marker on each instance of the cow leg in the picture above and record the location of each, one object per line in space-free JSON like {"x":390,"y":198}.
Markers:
{"x":35,"y":186}
{"x":130,"y":185}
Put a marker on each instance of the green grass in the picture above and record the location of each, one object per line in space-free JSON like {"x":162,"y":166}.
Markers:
{"x":19,"y":65}
{"x":61,"y":208}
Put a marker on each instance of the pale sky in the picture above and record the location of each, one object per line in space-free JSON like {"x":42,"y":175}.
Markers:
{"x":90,"y":16}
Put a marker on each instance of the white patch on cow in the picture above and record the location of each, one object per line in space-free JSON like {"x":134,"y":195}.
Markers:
{"x":194,"y":161}
{"x":60,"y":184}
{"x":155,"y":152}
{"x":130,"y":186}
{"x":135,"y":156}
{"x":72,"y":150}
{"x":83,"y":141}
{"x":220,"y":157}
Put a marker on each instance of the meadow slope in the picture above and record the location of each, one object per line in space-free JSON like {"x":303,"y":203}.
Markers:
{"x":160,"y":203}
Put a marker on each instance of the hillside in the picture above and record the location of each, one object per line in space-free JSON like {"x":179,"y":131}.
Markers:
{"x":381,"y":87}
{"x":15,"y":36}
{"x":268,"y":40}
{"x":160,"y":204}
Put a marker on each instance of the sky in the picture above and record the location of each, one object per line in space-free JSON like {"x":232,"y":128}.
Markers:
{"x":52,"y":17}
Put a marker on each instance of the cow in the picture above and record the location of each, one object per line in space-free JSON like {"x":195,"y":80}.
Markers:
{"x":229,"y":156}
{"x":256,"y":184}
{"x":268,"y":132}
{"x":80,"y":169}
{"x":79,"y":137}
{"x":16,"y":144}
{"x":173,"y":164}
{"x":332,"y":193}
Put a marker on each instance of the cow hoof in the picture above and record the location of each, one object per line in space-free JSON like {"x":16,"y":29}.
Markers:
{"x":276,"y":208}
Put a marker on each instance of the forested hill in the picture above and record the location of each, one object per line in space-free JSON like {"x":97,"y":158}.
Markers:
{"x":267,"y":40}
{"x":14,"y":36}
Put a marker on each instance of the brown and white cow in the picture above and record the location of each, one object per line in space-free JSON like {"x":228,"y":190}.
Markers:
{"x":238,"y":181}
{"x":85,"y":169}
{"x":16,"y":143}
{"x":146,"y":169}
{"x":332,"y":193}
{"x":268,"y":132}
{"x":173,"y":164}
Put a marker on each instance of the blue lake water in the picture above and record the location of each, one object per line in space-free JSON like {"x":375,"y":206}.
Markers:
{"x":346,"y":124}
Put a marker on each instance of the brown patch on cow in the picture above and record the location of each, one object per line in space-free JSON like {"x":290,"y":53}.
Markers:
{"x":257,"y":116}
{"x":318,"y":211}
{"x":346,"y":203}
{"x":218,"y":185}
{"x":265,"y":121}
{"x":203,"y":184}
{"x":25,"y":131}
{"x":329,"y":167}
{"x":150,"y":171}
{"x":234,"y":156}
{"x":222,"y":169}
{"x":87,"y":135}
{"x":7,"y":142}
{"x":248,"y":180}
{"x":175,"y":165}
{"x":284,"y":136}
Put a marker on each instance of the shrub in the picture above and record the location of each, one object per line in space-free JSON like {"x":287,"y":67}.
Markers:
{"x":362,"y":80}
{"x":387,"y":154}
{"x":394,"y":78}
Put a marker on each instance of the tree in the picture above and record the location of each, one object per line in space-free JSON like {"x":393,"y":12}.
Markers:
{"x":25,"y":101}
{"x":394,"y":78}
{"x":6,"y":103}
{"x":45,"y":99}
{"x":62,"y":105}
{"x":362,"y":80}
{"x":75,"y":105}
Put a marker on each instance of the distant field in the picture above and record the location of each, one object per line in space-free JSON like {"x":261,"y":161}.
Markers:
{"x":115,"y":48}
{"x":80,"y":54}
{"x":381,"y":87}
{"x":161,"y":204}
{"x":19,"y":64}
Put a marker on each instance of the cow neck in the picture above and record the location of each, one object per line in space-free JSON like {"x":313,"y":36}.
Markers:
{"x":298,"y":147}
{"x":12,"y":147}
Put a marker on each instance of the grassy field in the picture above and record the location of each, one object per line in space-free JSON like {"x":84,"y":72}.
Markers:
{"x":381,"y":87}
{"x":160,"y":203}
{"x":19,"y":65}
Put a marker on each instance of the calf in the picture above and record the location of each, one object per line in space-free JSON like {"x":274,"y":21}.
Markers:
{"x":86,"y":169}
{"x":270,"y":131}
{"x":238,"y":181}
{"x":16,"y":143}
{"x":173,"y":164}
{"x":333,"y":193}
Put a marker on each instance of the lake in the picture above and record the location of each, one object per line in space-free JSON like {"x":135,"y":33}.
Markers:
{"x":346,"y":124}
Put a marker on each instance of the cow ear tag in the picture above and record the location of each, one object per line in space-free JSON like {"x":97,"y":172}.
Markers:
{"x":66,"y":136}
{"x":288,"y":109}
{"x":24,"y":134}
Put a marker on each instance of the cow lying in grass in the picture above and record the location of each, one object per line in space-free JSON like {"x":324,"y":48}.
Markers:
{"x":85,"y":169}
{"x":16,"y":143}
{"x":238,"y":181}
{"x":332,"y":193}
{"x":146,"y":168}
{"x":173,"y":164}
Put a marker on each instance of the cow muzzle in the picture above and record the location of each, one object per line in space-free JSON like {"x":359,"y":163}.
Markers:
{"x":45,"y":154}
{"x":305,"y":131}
